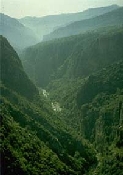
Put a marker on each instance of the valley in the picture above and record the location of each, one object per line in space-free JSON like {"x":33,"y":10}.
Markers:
{"x":61,"y":98}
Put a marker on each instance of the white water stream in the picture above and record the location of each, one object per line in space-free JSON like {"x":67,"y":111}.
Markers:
{"x":55,"y":105}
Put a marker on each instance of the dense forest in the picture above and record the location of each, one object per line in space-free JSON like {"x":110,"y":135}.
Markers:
{"x":73,"y":57}
{"x":61,"y":101}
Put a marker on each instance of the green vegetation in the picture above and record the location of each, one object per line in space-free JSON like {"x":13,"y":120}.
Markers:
{"x":86,"y":80}
{"x":69,"y":120}
{"x":12,"y":73}
{"x":34,"y":138}
{"x":73,"y":57}
{"x":24,"y":153}
{"x":94,"y":107}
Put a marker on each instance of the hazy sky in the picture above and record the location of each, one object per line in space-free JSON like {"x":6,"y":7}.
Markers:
{"x":20,"y":8}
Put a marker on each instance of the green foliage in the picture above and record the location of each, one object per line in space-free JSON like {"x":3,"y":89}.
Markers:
{"x":86,"y":137}
{"x":73,"y":57}
{"x":35,"y":141}
{"x":24,"y":153}
{"x":106,"y":81}
{"x":12,"y":73}
{"x":93,"y":107}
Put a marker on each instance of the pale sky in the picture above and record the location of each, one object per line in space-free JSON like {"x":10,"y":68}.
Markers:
{"x":21,"y":8}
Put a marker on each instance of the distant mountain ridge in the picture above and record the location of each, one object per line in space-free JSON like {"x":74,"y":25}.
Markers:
{"x":18,"y":35}
{"x":111,"y":18}
{"x":44,"y":25}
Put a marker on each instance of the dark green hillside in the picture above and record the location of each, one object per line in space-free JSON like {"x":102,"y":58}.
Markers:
{"x":42,"y":61}
{"x":60,"y":143}
{"x":108,"y":81}
{"x":94,"y":107}
{"x":114,"y":17}
{"x":24,"y":153}
{"x":100,"y":51}
{"x":35,"y":140}
{"x":17,"y":34}
{"x":73,"y":57}
{"x":74,"y":125}
{"x":101,"y":95}
{"x":74,"y":93}
{"x":101,"y":101}
{"x":12,"y":73}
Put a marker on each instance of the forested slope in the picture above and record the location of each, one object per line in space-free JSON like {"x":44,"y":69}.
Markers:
{"x":34,"y":138}
{"x":83,"y":76}
{"x":94,"y":107}
{"x":12,"y":73}
{"x":73,"y":57}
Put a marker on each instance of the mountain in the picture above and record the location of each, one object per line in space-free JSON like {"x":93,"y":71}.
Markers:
{"x":114,"y":17}
{"x":45,"y":25}
{"x":94,"y":107}
{"x":86,"y":80}
{"x":12,"y":73}
{"x":73,"y":57}
{"x":19,"y":35}
{"x":34,"y":140}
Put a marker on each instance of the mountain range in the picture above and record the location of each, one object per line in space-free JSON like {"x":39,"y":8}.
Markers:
{"x":19,"y":35}
{"x":28,"y":31}
{"x":45,"y":25}
{"x":61,"y":101}
{"x":112,"y":18}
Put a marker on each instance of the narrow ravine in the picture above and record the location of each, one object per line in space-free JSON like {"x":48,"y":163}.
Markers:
{"x":55,"y":105}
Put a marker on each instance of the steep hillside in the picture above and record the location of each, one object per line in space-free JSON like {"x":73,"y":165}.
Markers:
{"x":97,"y":52}
{"x":101,"y":113}
{"x":107,"y":81}
{"x":73,"y":57}
{"x":44,"y":25}
{"x":24,"y":153}
{"x":12,"y":73}
{"x":19,"y":35}
{"x":114,"y":17}
{"x":94,"y":107}
{"x":34,"y":139}
{"x":42,"y":60}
